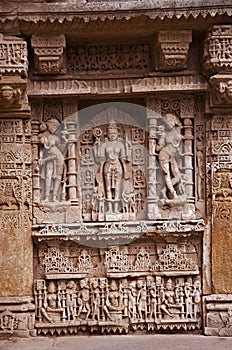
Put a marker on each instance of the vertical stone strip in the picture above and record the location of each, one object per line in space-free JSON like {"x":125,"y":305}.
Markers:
{"x":16,"y":258}
{"x":218,"y":68}
{"x":221,"y":133}
{"x":153,"y":112}
{"x":187,"y":112}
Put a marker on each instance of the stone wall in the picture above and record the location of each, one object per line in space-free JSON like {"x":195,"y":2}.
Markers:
{"x":115,"y":189}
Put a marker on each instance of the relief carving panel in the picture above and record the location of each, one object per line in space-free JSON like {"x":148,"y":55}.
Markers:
{"x":138,"y":286}
{"x":104,"y":58}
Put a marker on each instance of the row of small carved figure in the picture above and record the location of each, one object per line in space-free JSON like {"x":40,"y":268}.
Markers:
{"x":100,"y":299}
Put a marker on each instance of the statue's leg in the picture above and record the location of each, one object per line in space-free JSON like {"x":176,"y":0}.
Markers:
{"x":48,"y":180}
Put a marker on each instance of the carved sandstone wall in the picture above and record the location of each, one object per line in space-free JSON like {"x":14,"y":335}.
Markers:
{"x":115,"y":171}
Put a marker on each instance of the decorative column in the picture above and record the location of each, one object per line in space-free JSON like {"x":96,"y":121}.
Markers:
{"x":153,"y":112}
{"x":218,"y":67}
{"x":16,"y":258}
{"x":71,"y":123}
{"x":187,"y":113}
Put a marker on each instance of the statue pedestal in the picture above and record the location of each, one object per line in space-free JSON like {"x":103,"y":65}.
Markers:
{"x":113,"y":216}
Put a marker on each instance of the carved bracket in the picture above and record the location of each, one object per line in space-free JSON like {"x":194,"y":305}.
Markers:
{"x":173,"y":47}
{"x":49,"y":53}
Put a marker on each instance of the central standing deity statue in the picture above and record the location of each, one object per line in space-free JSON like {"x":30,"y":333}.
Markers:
{"x":113,"y":175}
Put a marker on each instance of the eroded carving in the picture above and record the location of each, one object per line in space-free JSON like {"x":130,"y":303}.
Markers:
{"x":218,"y":309}
{"x":221,"y":90}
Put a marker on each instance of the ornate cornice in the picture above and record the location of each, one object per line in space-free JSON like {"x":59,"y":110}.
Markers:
{"x":110,"y":10}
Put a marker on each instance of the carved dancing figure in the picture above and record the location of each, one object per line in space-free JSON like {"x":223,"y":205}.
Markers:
{"x":96,"y":299}
{"x":168,"y":147}
{"x":52,"y":161}
{"x":84,"y":299}
{"x":132,"y":300}
{"x":197,"y":298}
{"x":128,"y":201}
{"x":71,"y":300}
{"x":142,"y":300}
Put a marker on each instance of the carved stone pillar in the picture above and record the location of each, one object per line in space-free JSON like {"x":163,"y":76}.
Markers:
{"x":153,"y":112}
{"x":187,"y":114}
{"x":16,"y":256}
{"x":71,"y":121}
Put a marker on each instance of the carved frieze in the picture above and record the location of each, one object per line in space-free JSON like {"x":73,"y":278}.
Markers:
{"x":221,"y":158}
{"x":49,"y":53}
{"x":104,"y":58}
{"x":173,"y":48}
{"x":117,"y":305}
{"x":142,"y":285}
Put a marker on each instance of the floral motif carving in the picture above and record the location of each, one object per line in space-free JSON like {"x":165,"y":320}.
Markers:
{"x":104,"y":58}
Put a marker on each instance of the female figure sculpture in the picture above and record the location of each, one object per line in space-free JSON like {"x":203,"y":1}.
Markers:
{"x":113,"y":168}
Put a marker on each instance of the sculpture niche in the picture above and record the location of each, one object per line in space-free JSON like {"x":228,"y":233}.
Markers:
{"x":113,"y":197}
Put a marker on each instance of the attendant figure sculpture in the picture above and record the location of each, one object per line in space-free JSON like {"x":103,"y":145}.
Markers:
{"x":52,"y":161}
{"x":168,"y":150}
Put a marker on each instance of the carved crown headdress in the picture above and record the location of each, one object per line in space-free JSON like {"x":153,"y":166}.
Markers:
{"x":112,"y":125}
